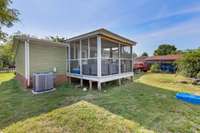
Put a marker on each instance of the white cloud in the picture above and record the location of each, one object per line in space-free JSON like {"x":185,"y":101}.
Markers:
{"x":184,"y":35}
{"x":190,"y":9}
{"x":188,"y":27}
{"x":164,"y":12}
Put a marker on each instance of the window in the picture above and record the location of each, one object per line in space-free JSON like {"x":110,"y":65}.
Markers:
{"x":74,"y":61}
{"x":75,"y":66}
{"x":93,"y":47}
{"x":75,"y":50}
{"x":126,"y":66}
{"x":84,"y":48}
{"x":109,"y":49}
{"x":88,"y":56}
{"x":109,"y":66}
{"x":126,"y":59}
{"x":126,"y":52}
{"x":110,"y":58}
{"x":115,"y":52}
{"x":89,"y":67}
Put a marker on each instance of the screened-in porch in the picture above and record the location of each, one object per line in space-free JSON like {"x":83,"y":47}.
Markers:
{"x":99,"y":58}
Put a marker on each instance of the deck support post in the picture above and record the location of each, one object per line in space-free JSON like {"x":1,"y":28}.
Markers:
{"x":131,"y":78}
{"x":81,"y":82}
{"x":99,"y":86}
{"x":120,"y":82}
{"x":90,"y":84}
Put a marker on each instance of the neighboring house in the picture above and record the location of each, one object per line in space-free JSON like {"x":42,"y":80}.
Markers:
{"x":166,"y":62}
{"x":99,"y":56}
{"x":140,"y":64}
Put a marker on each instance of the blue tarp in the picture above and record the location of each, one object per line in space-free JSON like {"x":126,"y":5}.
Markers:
{"x":75,"y":70}
{"x":169,"y":68}
{"x":194,"y":99}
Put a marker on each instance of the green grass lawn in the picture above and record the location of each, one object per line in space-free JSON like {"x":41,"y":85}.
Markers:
{"x":81,"y":117}
{"x":6,"y":77}
{"x":144,"y":102}
{"x":169,"y":82}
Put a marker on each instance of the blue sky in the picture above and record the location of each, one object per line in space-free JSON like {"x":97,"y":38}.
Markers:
{"x":149,"y":22}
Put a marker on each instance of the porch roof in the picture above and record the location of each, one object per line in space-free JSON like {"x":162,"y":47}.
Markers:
{"x":104,"y":33}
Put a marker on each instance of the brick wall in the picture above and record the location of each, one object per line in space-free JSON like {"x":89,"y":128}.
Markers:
{"x":21,"y":79}
{"x":60,"y":79}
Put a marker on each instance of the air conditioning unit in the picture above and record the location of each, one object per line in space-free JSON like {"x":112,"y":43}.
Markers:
{"x":43,"y":82}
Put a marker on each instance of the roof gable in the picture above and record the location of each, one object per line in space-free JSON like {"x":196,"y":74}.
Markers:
{"x":105,"y":33}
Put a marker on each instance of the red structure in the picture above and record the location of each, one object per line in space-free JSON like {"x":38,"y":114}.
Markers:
{"x":140,"y":64}
{"x":165,"y":58}
{"x":166,"y":62}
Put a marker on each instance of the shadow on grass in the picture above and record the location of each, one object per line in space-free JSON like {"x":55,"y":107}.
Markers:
{"x":138,"y":75}
{"x":153,"y":108}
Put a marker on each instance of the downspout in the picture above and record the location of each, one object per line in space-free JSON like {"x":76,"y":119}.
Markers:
{"x":27,"y":63}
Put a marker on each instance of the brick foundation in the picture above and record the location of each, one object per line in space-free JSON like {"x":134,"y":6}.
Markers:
{"x":60,"y":79}
{"x":21,"y":79}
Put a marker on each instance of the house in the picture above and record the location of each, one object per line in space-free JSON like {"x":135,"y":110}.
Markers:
{"x":37,"y":55}
{"x":166,"y":62}
{"x":99,"y":56}
{"x":139,"y":64}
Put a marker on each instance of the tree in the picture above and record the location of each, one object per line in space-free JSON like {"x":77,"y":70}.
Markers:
{"x":6,"y":55}
{"x":179,"y":52}
{"x":7,"y":16}
{"x":57,"y":39}
{"x":134,"y":55}
{"x":198,"y":75}
{"x":165,"y":49}
{"x":145,"y":54}
{"x":189,"y":65}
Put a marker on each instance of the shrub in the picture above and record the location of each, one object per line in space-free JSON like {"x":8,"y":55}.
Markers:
{"x":1,"y":64}
{"x":198,"y":75}
{"x":155,"y":68}
{"x":189,"y":65}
